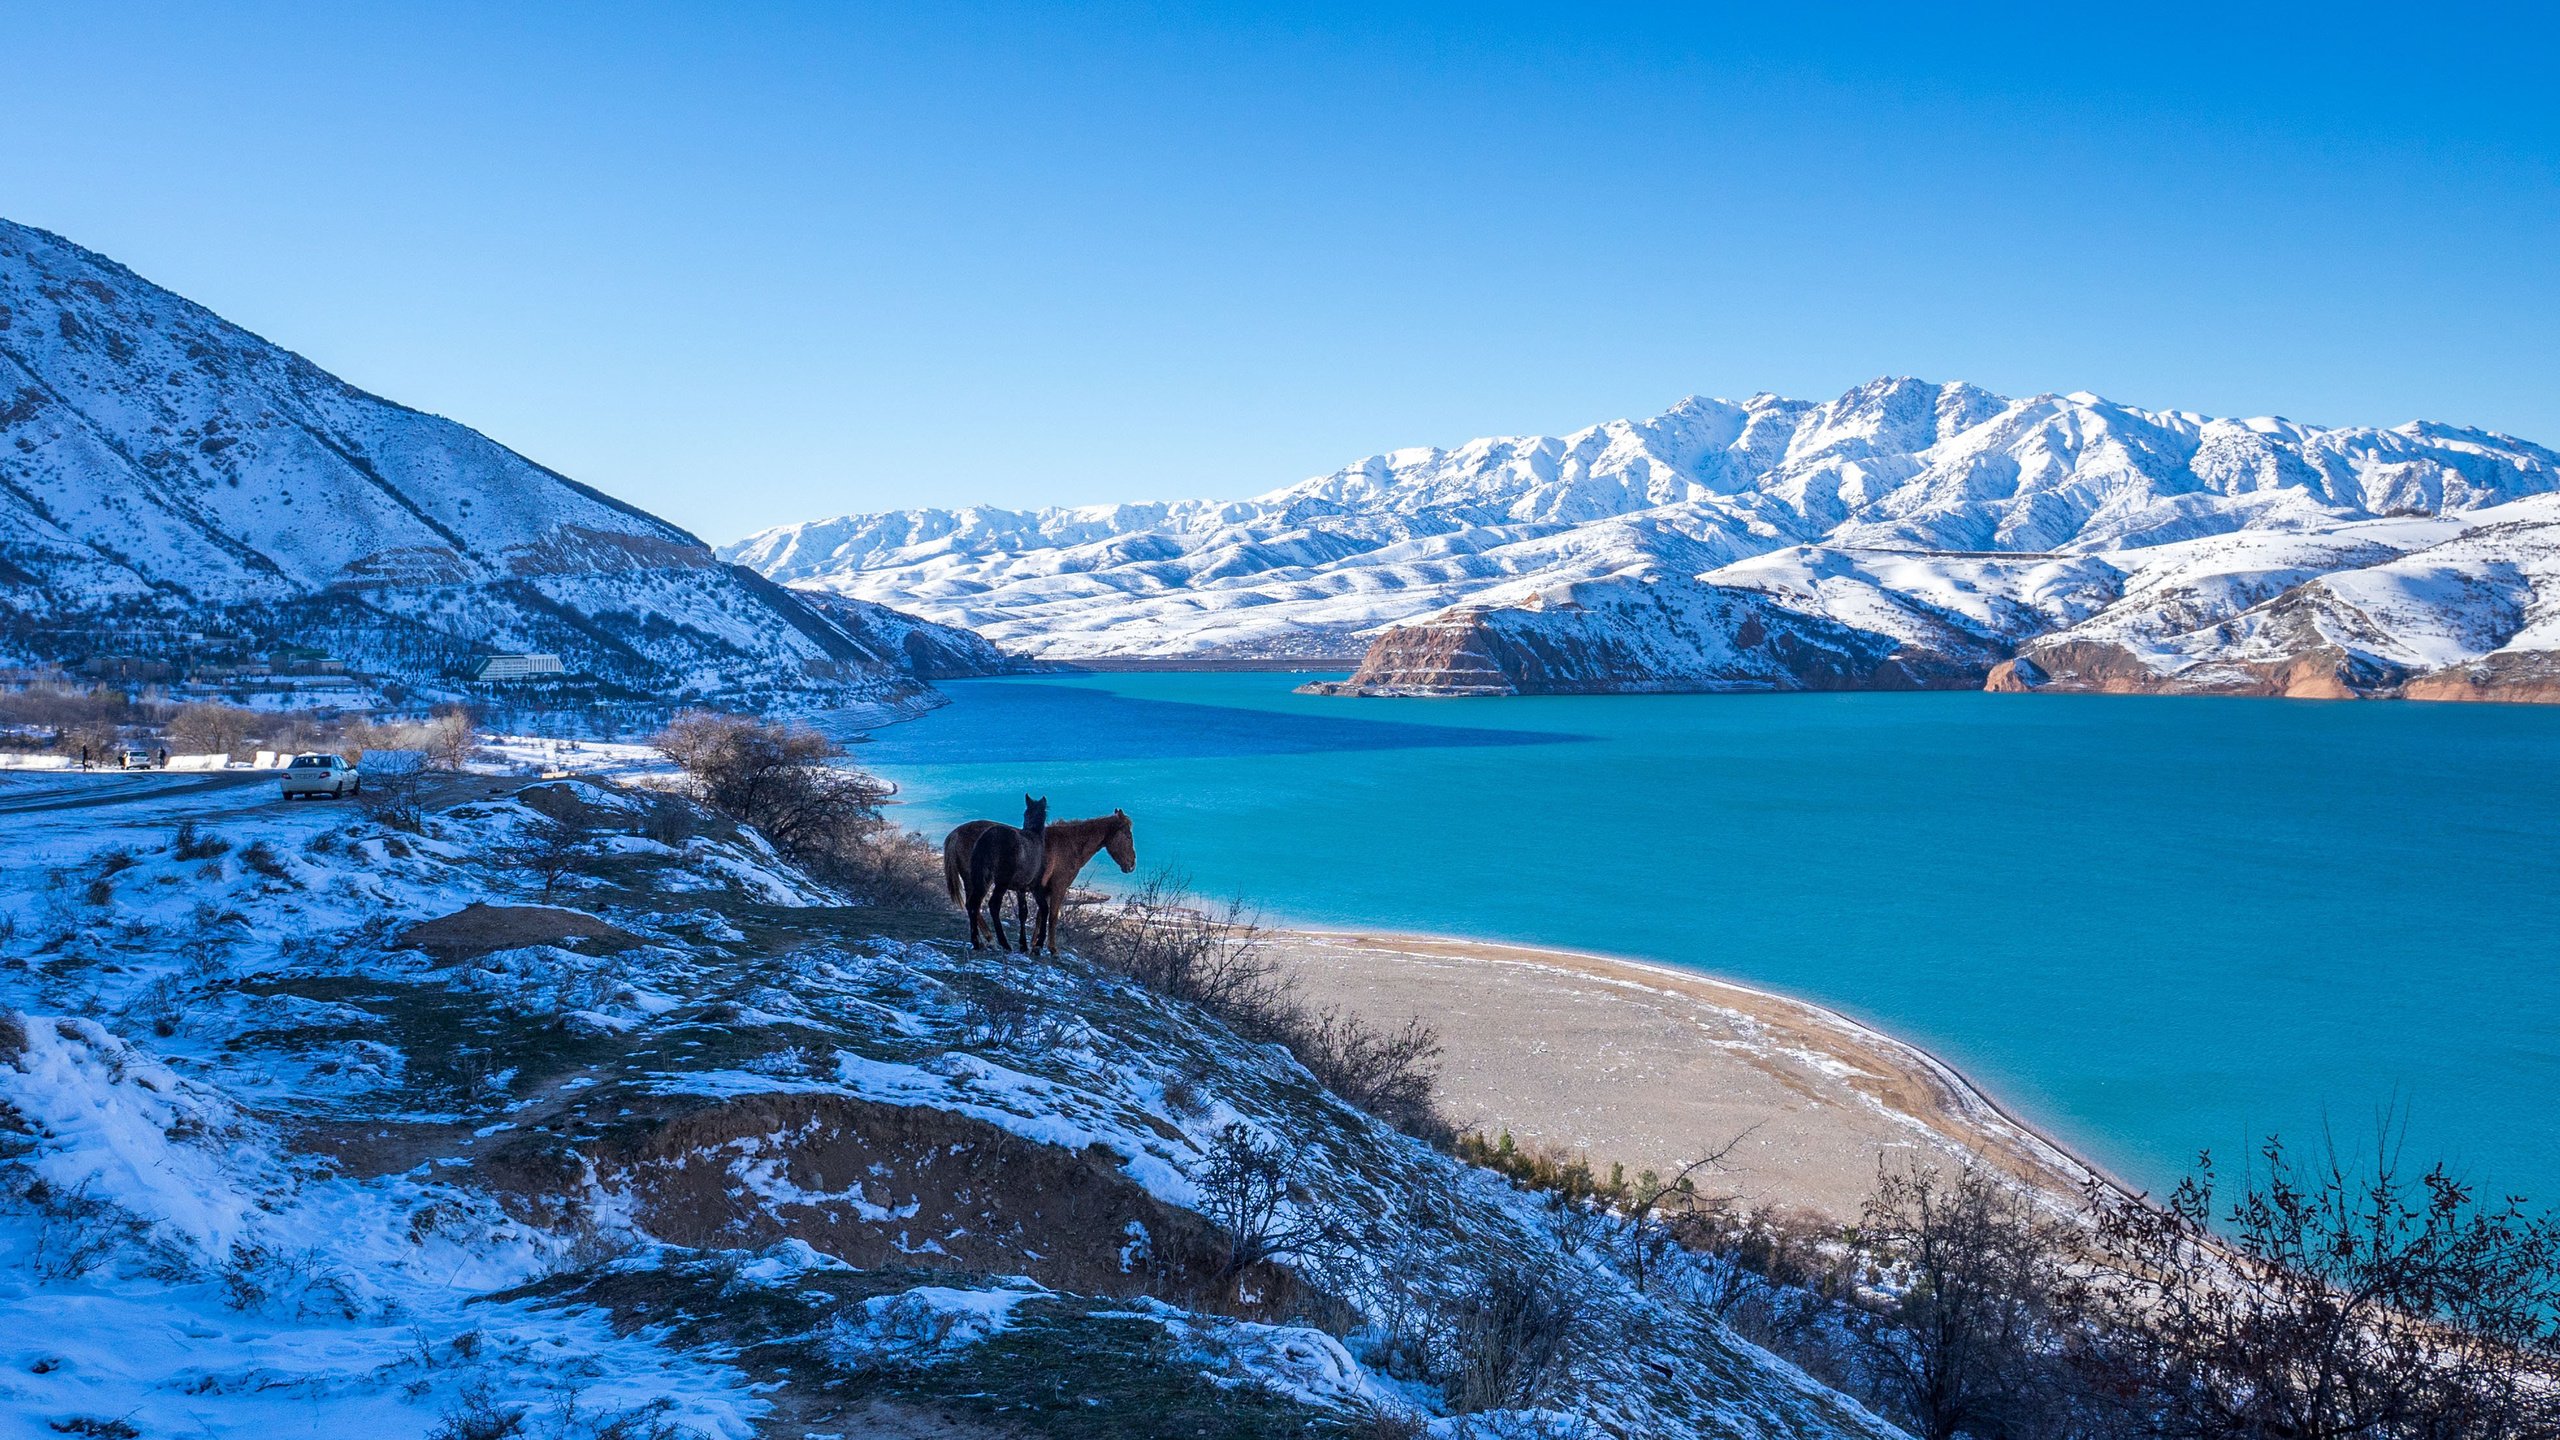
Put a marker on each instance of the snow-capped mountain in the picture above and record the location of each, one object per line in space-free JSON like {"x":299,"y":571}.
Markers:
{"x":172,"y":484}
{"x":1905,"y":533}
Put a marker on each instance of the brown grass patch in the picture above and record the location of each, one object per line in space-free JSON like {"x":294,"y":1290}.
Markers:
{"x":477,"y":930}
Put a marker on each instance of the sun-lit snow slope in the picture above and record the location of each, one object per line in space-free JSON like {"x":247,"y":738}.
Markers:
{"x":2450,"y":608}
{"x":159,"y":464}
{"x":1320,"y":568}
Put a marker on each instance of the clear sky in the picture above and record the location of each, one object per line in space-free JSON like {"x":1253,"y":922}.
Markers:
{"x":744,"y":264}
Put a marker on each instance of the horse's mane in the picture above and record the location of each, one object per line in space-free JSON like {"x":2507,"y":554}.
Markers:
{"x":1076,"y":831}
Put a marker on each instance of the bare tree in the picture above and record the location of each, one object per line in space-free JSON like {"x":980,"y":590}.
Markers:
{"x":2332,"y":1300}
{"x":205,"y":728}
{"x":550,"y":852}
{"x":1653,"y":1204}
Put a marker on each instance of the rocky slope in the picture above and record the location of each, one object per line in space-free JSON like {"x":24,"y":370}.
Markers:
{"x":1904,"y":533}
{"x":311,"y":1125}
{"x":173,"y":486}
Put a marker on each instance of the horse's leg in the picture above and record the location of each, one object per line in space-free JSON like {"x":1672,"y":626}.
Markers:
{"x":1022,"y":919}
{"x":975,"y":895}
{"x":1051,"y":898}
{"x":995,"y":915}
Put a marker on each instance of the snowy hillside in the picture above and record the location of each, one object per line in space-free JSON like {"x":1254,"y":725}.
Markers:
{"x":172,"y":485}
{"x":1321,"y":568}
{"x":309,"y":1126}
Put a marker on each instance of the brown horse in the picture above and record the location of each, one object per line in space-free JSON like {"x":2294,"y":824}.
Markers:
{"x":1070,"y":844}
{"x":1003,"y":859}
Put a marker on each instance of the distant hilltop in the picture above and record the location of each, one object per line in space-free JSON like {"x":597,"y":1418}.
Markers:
{"x":1908,"y":534}
{"x":179,"y":497}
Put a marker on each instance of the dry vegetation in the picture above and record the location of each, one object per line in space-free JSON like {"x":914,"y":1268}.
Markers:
{"x":69,"y":720}
{"x":2329,"y":1300}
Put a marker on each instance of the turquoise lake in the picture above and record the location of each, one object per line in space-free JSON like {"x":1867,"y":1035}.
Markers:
{"x":2152,"y":925}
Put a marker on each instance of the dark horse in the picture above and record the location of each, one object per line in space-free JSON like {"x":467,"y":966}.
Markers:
{"x":1004,"y":858}
{"x":955,"y":860}
{"x":1071,"y":843}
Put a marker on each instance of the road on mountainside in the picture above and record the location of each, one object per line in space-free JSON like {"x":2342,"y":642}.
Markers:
{"x":84,"y":792}
{"x":39,"y":791}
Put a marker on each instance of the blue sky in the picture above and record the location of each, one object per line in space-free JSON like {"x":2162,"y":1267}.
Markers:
{"x":752,"y":263}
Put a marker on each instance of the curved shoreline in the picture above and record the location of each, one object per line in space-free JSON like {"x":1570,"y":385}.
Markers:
{"x":1658,"y":1035}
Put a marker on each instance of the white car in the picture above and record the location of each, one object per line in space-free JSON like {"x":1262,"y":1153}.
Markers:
{"x":310,"y":777}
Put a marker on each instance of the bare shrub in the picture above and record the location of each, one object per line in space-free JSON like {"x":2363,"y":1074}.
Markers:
{"x":302,"y":1284}
{"x":2333,"y":1299}
{"x":76,"y":1232}
{"x":886,"y":866}
{"x":193,"y":842}
{"x":392,"y":787}
{"x":549,"y":852}
{"x":1970,"y":1339}
{"x":476,"y":1415}
{"x":262,"y":857}
{"x":777,"y":778}
{"x":1219,"y":962}
{"x":1518,"y":1339}
{"x":98,"y":1427}
{"x":1249,"y":1191}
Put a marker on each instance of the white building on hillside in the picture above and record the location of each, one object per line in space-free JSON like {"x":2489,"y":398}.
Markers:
{"x":517,"y":667}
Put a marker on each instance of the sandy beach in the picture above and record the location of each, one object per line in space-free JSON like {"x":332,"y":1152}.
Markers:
{"x":1653,"y":1066}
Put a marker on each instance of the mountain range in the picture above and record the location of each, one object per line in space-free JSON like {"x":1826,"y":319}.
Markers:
{"x":1907,"y":534}
{"x":175,"y":488}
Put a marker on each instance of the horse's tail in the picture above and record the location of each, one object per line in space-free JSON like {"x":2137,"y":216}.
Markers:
{"x":955,"y":854}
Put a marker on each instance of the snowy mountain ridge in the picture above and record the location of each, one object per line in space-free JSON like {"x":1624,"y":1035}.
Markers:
{"x":171,"y":483}
{"x":1967,"y":478}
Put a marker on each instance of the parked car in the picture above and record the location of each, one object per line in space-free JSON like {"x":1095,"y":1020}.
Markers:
{"x":134,"y":757}
{"x":313,"y":776}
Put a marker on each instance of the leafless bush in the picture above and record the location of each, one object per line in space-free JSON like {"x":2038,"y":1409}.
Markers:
{"x":776,"y":778}
{"x":2332,"y":1299}
{"x":298,"y":1283}
{"x":262,"y":857}
{"x":1971,"y":1339}
{"x":1248,"y":1189}
{"x":76,"y":1232}
{"x":444,"y":738}
{"x":393,"y":787}
{"x":1518,"y":1339}
{"x":192,"y":842}
{"x":93,"y":740}
{"x":549,"y":852}
{"x":1218,"y":961}
{"x":476,"y":1415}
{"x":1391,"y":1073}
{"x":886,"y":866}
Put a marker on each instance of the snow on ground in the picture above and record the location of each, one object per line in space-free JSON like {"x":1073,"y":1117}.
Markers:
{"x":266,"y":1168}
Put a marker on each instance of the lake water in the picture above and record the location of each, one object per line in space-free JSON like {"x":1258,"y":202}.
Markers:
{"x":2152,"y":925}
